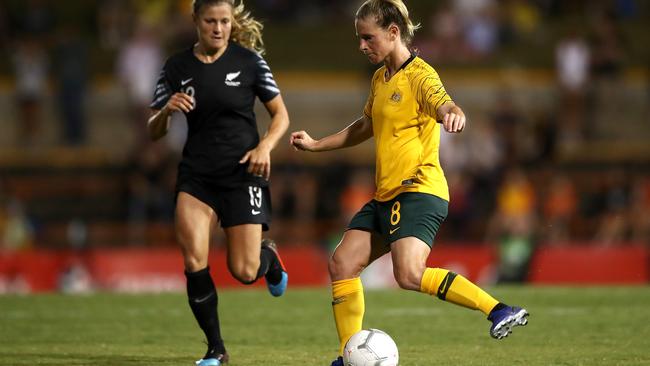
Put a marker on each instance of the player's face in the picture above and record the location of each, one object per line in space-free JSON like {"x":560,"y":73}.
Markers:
{"x":374,"y":42}
{"x":214,"y":25}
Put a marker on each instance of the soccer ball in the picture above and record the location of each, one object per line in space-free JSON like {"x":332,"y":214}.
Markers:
{"x":370,"y":347}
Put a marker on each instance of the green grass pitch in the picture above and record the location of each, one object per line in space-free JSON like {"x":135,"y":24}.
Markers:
{"x":568,"y":326}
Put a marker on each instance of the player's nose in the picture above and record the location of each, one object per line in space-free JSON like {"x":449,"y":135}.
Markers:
{"x":363,"y":46}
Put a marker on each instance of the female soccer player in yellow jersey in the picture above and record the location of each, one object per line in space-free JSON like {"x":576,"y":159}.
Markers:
{"x":406,"y":99}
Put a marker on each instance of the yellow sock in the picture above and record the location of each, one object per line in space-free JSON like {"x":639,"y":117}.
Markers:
{"x":456,"y":289}
{"x":348,"y":306}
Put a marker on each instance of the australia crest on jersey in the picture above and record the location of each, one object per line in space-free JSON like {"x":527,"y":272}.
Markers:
{"x":396,"y":97}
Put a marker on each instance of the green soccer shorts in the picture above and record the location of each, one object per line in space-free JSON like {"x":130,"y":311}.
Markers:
{"x":408,"y":214}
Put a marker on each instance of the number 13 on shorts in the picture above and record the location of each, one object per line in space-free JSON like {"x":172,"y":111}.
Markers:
{"x":256,"y":196}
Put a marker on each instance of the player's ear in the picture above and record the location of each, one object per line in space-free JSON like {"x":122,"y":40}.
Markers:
{"x":393,"y":31}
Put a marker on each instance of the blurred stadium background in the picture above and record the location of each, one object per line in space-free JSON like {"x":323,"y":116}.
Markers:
{"x":550,"y":183}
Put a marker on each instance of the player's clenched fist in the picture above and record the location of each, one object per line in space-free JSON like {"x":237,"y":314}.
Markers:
{"x":301,"y":140}
{"x":180,"y":102}
{"x":454,"y":120}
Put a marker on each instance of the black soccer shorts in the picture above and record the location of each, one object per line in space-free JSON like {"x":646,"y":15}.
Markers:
{"x":248,"y":204}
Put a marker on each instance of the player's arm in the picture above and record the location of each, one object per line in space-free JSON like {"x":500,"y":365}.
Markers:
{"x":432,"y":96}
{"x":158,"y":123}
{"x":356,"y":133}
{"x":259,"y":159}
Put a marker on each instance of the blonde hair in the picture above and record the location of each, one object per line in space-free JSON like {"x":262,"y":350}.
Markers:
{"x":387,"y":12}
{"x":246,"y":31}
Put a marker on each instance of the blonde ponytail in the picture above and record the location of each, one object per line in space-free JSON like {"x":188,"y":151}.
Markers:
{"x":246,"y":30}
{"x":387,"y":12}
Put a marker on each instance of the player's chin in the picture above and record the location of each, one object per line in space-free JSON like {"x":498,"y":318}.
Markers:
{"x":373,"y":59}
{"x":218,"y":43}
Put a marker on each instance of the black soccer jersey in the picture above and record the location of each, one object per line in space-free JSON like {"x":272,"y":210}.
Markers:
{"x":222,"y":125}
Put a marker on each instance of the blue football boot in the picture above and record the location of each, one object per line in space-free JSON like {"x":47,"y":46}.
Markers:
{"x":506,"y":318}
{"x":338,"y":362}
{"x":279,"y":288}
{"x":211,"y":359}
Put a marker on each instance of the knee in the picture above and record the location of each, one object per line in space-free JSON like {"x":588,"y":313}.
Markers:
{"x":194,"y":264}
{"x":340,"y":269}
{"x":193,"y":260}
{"x":408,"y":278}
{"x":245,"y":273}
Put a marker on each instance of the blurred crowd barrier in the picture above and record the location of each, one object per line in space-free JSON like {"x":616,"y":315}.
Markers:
{"x":556,"y":151}
{"x":160,"y":269}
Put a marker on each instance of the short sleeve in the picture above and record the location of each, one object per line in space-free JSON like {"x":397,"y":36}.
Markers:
{"x":265,"y":85}
{"x":163,"y":91}
{"x":430,"y":93}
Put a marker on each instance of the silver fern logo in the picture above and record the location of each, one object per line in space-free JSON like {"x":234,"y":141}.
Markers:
{"x":230,"y":79}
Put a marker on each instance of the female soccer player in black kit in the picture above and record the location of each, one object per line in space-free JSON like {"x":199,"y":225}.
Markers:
{"x":225,"y":166}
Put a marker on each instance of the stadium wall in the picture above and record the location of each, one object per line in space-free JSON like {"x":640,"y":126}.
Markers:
{"x":161,"y":269}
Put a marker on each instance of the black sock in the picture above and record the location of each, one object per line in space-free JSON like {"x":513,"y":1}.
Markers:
{"x":203,"y":300}
{"x":267,"y":257}
{"x":269,"y":266}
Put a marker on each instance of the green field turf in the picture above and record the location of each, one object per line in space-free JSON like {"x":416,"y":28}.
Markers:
{"x":568,"y":326}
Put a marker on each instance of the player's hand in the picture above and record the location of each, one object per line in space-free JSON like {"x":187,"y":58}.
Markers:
{"x":301,"y":140}
{"x":454,"y":120}
{"x":259,"y":161}
{"x":180,"y":102}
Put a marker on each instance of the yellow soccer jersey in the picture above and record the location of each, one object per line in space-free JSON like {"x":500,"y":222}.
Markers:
{"x":407,"y":136}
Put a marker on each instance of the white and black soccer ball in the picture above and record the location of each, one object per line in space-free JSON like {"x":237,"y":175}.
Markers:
{"x":370,"y":347}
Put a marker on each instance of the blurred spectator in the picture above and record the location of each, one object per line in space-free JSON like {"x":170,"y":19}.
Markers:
{"x":114,"y":19}
{"x":4,"y":27}
{"x":614,"y":224}
{"x":71,"y":63}
{"x":487,"y":156}
{"x":507,"y":119}
{"x":516,"y":201}
{"x":471,"y":8}
{"x":607,"y":47}
{"x":16,"y":231}
{"x":455,"y":154}
{"x":179,"y":29}
{"x":151,"y":187}
{"x":332,"y":179}
{"x":357,"y":193}
{"x":153,"y":13}
{"x":545,"y":132}
{"x":607,"y":99}
{"x":295,"y":195}
{"x":280,"y":10}
{"x":37,"y":19}
{"x":572,"y":62}
{"x":626,"y":9}
{"x":446,"y":42}
{"x":138,"y":65}
{"x":640,"y":210}
{"x":513,"y":226}
{"x":482,"y":32}
{"x":31,"y":64}
{"x":523,"y":18}
{"x":460,"y":206}
{"x":560,"y":206}
{"x":294,"y":199}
